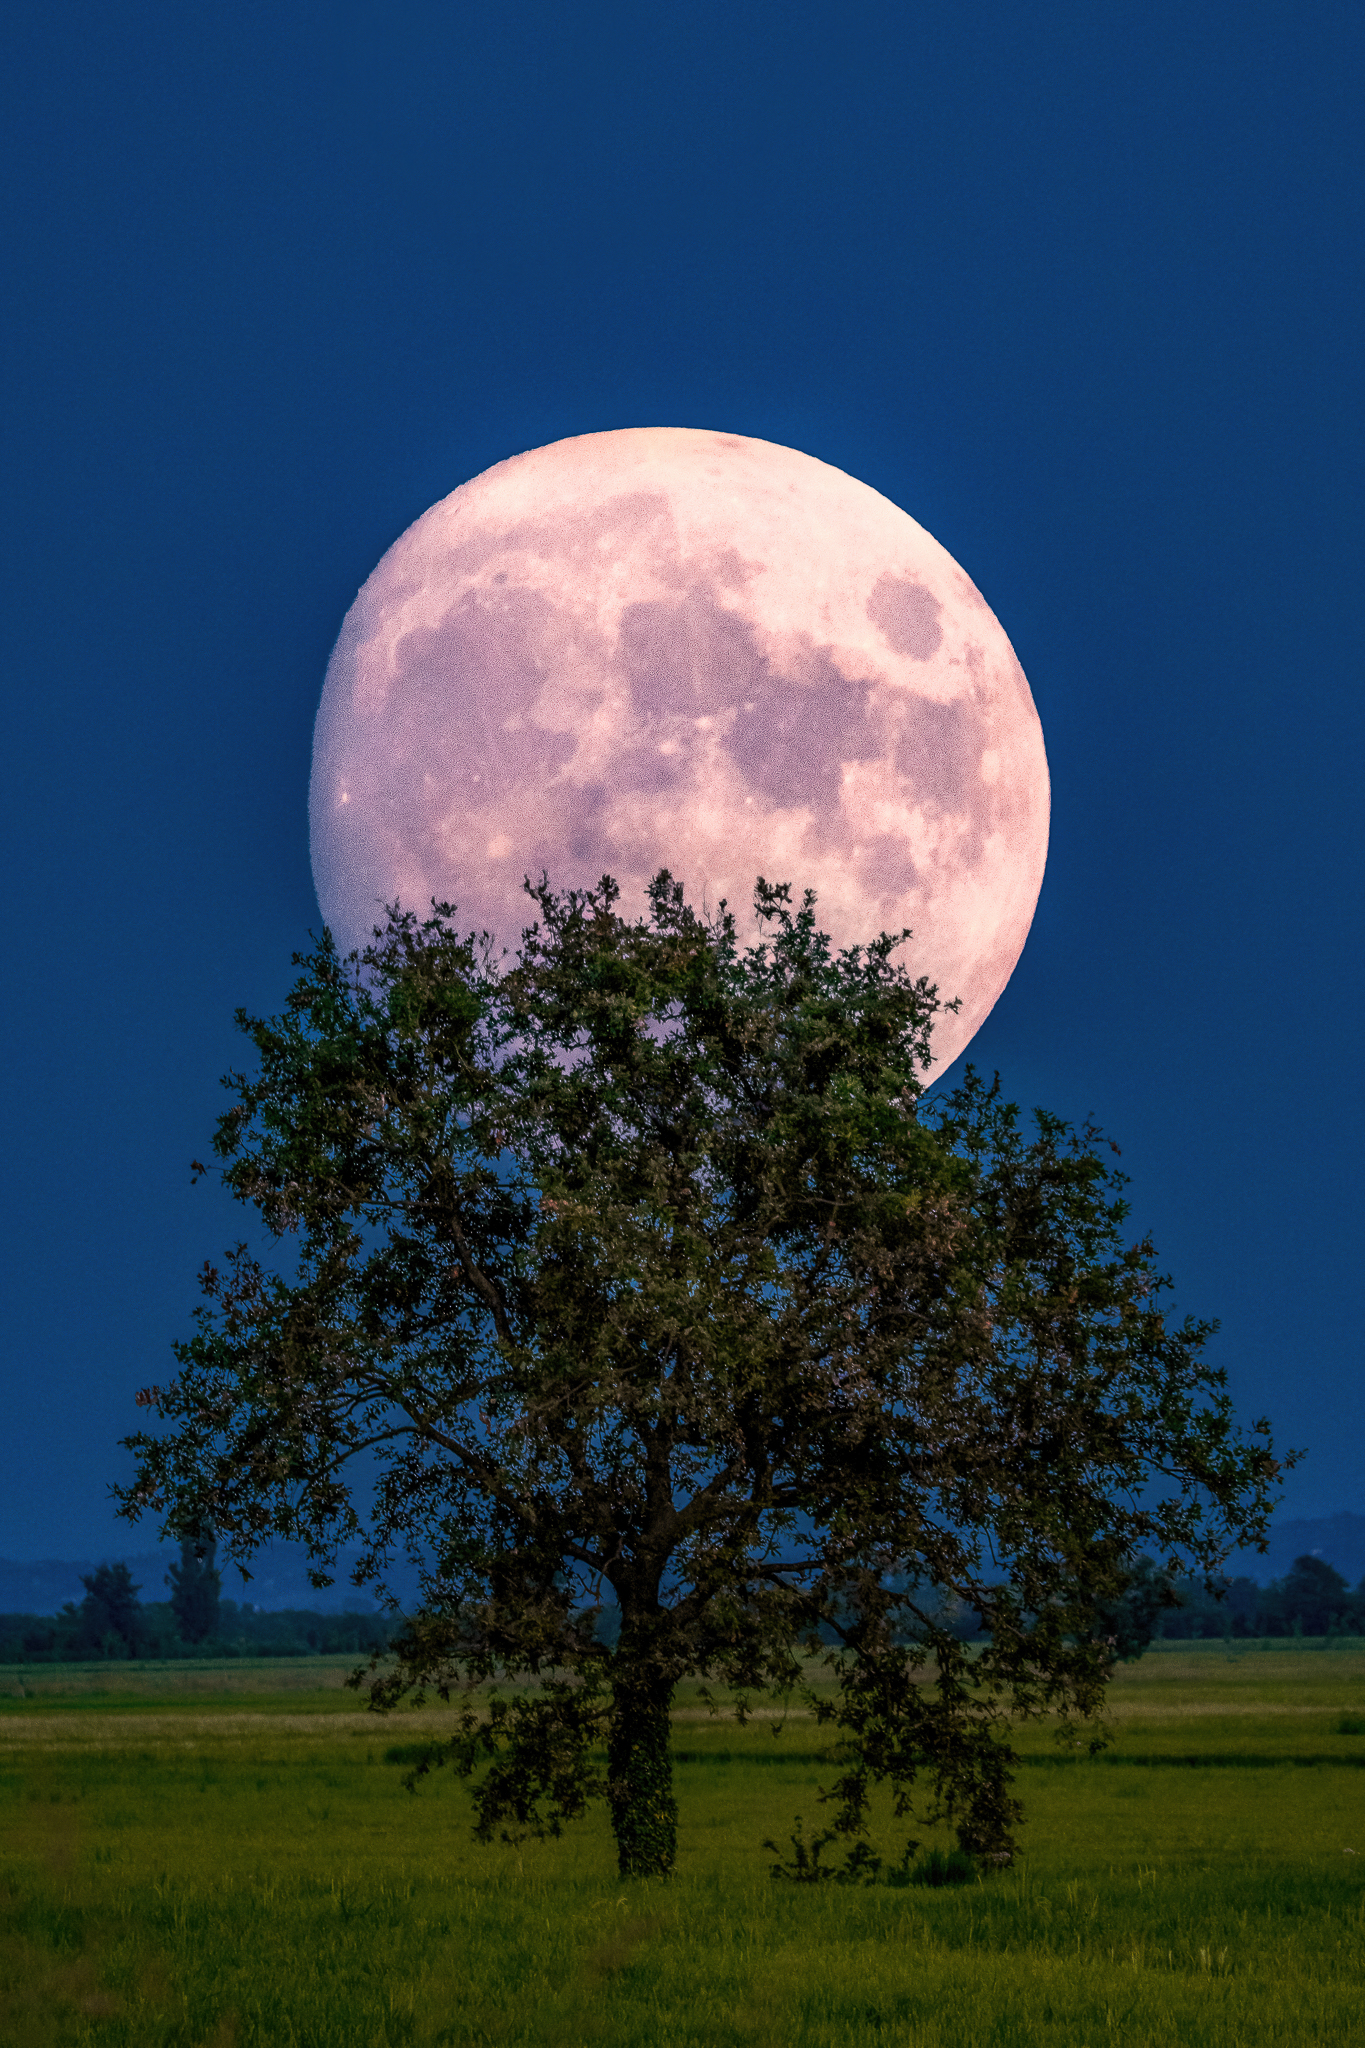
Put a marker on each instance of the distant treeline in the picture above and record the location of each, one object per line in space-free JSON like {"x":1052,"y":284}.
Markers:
{"x":1313,"y":1599}
{"x":111,"y":1622}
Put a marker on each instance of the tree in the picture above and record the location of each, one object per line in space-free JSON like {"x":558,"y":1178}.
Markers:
{"x":641,"y":1269}
{"x":195,"y":1589}
{"x":1243,"y":1597}
{"x":1314,"y":1594}
{"x":110,"y":1614}
{"x":1129,"y":1622}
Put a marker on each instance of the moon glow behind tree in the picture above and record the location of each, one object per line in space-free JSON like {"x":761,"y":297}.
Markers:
{"x":664,"y":647}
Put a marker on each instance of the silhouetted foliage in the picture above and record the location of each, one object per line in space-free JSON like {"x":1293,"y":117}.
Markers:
{"x":1314,"y":1595}
{"x":1130,"y":1622}
{"x":110,"y":1614}
{"x":1311,"y":1600}
{"x":241,"y":1632}
{"x":805,"y":1866}
{"x":195,"y":1589}
{"x":642,"y":1271}
{"x":1245,"y":1610}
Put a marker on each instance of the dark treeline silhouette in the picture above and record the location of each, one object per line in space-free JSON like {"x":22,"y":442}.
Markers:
{"x":112,"y":1623}
{"x":1313,"y":1599}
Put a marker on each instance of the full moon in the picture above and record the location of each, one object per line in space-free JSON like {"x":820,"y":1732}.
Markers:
{"x":668,"y":648}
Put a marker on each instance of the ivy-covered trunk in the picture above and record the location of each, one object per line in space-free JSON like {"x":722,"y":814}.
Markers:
{"x":640,"y":1765}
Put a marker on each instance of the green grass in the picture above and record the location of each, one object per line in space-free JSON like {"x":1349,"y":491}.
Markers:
{"x":221,"y":1855}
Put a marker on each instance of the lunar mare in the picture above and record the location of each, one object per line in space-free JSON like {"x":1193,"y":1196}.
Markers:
{"x":664,"y":647}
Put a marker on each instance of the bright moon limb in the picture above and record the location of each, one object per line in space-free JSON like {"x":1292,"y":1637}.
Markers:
{"x":668,"y":648}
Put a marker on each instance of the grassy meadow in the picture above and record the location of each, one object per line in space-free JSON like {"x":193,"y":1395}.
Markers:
{"x":221,"y":1854}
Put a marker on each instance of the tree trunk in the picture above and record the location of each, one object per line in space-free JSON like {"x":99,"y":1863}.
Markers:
{"x":640,"y":1767}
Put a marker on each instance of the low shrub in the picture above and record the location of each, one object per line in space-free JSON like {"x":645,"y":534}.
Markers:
{"x":936,"y":1867}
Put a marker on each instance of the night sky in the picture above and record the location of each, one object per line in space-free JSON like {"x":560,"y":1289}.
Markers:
{"x":1079,"y":287}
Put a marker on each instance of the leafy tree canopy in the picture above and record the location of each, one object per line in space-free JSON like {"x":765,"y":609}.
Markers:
{"x":642,"y":1271}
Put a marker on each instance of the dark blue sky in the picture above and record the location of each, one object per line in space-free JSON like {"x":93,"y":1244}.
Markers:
{"x":1080,"y":287}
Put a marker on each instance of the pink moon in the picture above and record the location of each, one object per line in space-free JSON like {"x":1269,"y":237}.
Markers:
{"x":668,"y":648}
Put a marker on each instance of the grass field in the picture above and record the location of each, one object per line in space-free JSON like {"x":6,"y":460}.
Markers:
{"x":220,"y":1854}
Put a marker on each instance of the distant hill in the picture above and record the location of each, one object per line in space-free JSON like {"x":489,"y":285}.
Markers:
{"x":279,"y":1580}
